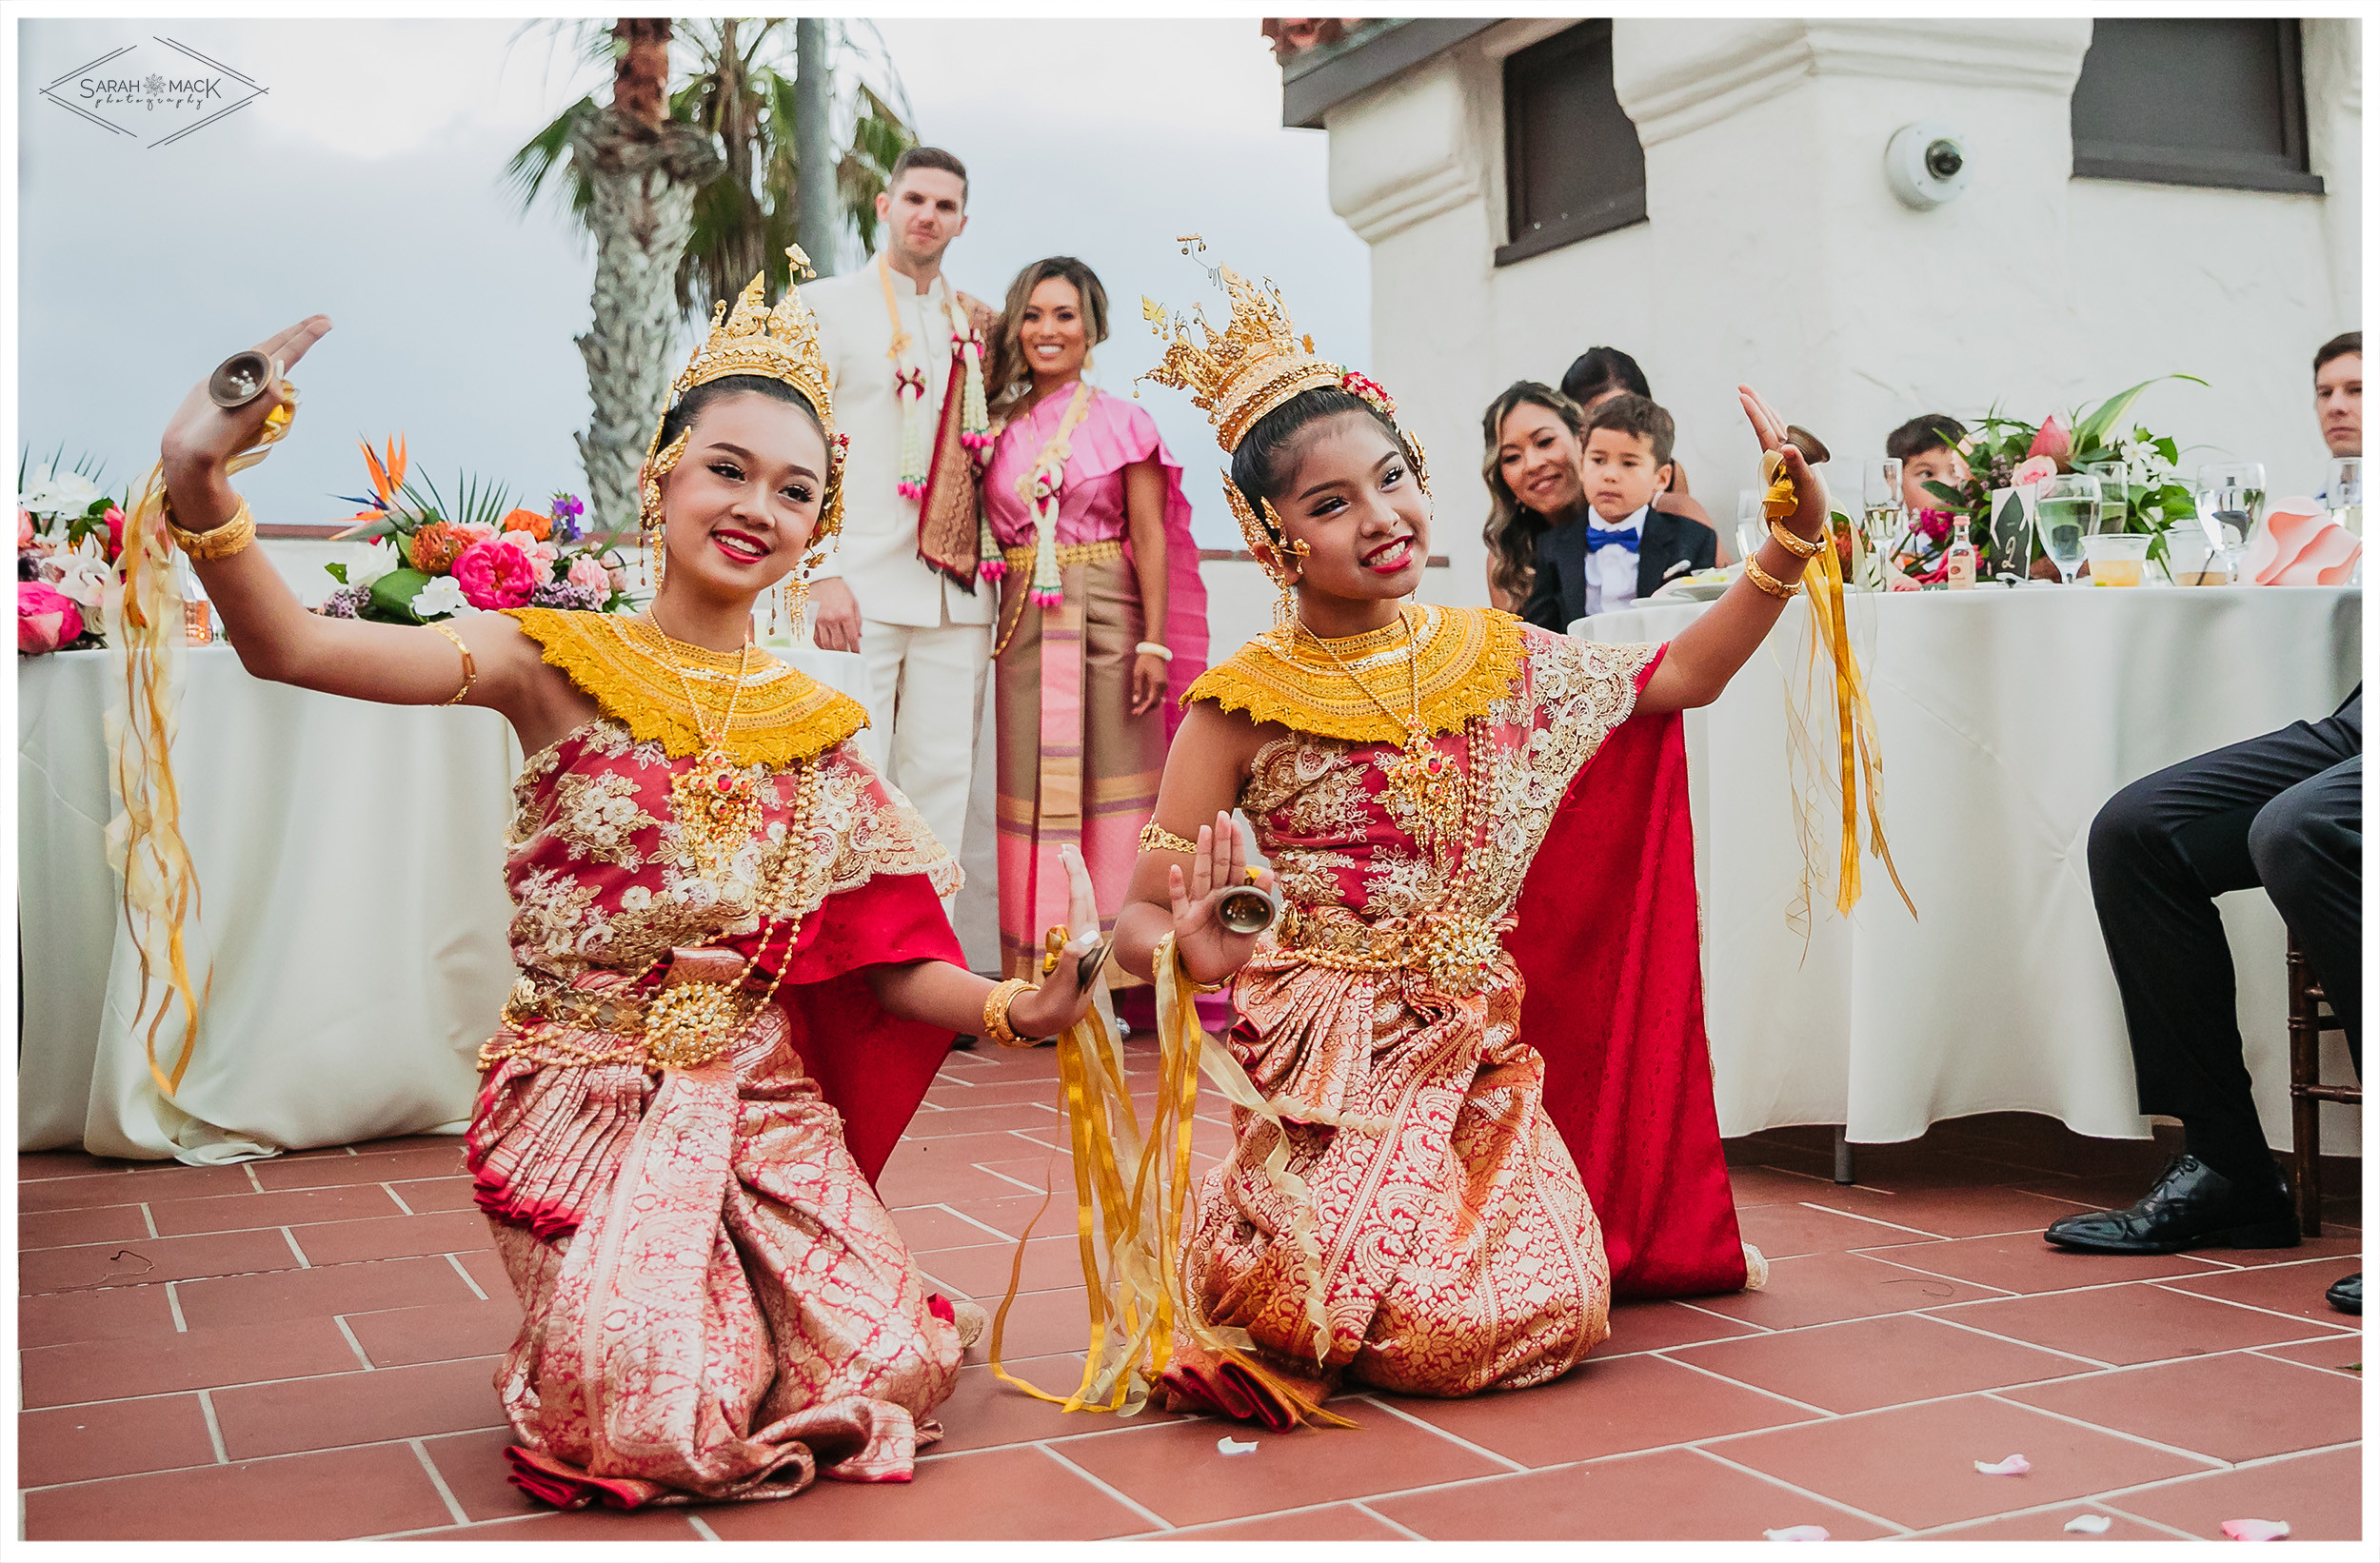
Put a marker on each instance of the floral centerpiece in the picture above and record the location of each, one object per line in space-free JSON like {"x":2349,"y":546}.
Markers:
{"x":2141,"y":484}
{"x":69,"y":535}
{"x":420,"y":558}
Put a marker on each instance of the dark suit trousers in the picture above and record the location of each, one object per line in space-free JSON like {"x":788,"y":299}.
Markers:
{"x":2284,"y":811}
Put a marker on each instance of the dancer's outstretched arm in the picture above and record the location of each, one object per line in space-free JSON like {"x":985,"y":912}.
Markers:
{"x":1176,"y":892}
{"x":275,"y":636}
{"x":1708,"y":652}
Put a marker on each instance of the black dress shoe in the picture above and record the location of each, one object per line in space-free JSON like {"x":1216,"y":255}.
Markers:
{"x":2192,"y":1206}
{"x":2347,"y":1295}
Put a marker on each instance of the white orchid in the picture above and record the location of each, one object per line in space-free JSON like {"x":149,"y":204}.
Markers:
{"x":368,"y":562}
{"x":81,"y":573}
{"x":53,"y":493}
{"x":442,"y":597}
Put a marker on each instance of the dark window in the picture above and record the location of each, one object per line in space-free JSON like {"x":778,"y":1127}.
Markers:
{"x":1573,"y":166}
{"x":2193,"y":102}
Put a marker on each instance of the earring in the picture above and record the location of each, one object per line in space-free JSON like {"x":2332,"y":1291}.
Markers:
{"x":648,"y":518}
{"x":657,"y":562}
{"x":797,"y":593}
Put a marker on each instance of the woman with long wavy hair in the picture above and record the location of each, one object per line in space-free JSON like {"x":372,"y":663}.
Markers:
{"x":1534,"y":437}
{"x":1102,"y":619}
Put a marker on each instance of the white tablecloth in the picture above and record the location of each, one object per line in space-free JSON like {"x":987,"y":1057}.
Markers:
{"x":350,"y":860}
{"x":2007,"y":719}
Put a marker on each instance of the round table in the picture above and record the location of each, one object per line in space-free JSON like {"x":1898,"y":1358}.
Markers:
{"x":348,"y":860}
{"x":2007,"y":717}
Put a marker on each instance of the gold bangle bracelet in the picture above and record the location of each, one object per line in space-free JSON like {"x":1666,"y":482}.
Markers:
{"x":470,"y":664}
{"x":1155,"y":837}
{"x":217,"y":543}
{"x":995,"y":1011}
{"x":1800,"y":547}
{"x":1767,"y":582}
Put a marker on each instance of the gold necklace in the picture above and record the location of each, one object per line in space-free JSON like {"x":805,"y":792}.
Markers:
{"x":1430,"y":778}
{"x":717,"y":804}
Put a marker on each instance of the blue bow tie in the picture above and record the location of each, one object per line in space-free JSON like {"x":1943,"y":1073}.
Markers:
{"x":1627,"y":538}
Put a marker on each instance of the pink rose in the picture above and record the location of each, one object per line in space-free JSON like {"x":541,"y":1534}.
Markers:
{"x":115,"y":531}
{"x":540,"y":554}
{"x":46,"y":618}
{"x":491,"y":575}
{"x":2032,"y":470}
{"x":23,"y":531}
{"x":478,"y":531}
{"x":619,"y":576}
{"x":2051,"y":440}
{"x":586,"y":570}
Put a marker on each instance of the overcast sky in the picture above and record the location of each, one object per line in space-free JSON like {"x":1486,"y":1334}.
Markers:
{"x":366,"y":185}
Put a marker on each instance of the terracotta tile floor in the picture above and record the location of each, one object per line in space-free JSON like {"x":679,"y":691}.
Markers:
{"x":302,"y":1349}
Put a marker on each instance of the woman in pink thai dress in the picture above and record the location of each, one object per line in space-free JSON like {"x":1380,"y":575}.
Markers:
{"x":736,"y":974}
{"x":1103,"y":617}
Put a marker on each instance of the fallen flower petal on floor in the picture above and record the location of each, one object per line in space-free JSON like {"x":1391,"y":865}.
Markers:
{"x":2016,"y":1465}
{"x":2256,"y":1530}
{"x":2090,"y":1524}
{"x":1798,"y":1532}
{"x":1226,"y":1445}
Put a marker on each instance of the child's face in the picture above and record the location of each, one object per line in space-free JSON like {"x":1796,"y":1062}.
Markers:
{"x":1940,"y":465}
{"x":1621,"y":476}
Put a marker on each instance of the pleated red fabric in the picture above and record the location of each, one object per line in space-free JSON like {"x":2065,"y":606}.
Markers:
{"x":1614,"y":1009}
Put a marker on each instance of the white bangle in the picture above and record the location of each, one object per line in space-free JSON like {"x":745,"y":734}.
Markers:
{"x":1155,"y":648}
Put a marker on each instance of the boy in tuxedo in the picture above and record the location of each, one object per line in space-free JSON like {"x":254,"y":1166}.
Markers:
{"x":1621,"y":548}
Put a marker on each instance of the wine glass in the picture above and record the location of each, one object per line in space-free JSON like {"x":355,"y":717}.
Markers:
{"x":2067,"y":510}
{"x":2344,"y":492}
{"x":2229,"y":494}
{"x":2116,"y":493}
{"x":1882,"y":502}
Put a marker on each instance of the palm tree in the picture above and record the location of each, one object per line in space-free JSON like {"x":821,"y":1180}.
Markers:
{"x":711,"y":229}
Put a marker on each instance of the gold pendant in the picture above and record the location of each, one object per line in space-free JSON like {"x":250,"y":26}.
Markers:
{"x":688,"y":1024}
{"x":718,"y":809}
{"x":1431,"y":779}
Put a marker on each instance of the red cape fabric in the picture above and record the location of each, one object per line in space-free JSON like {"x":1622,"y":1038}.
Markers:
{"x":1615,"y":1008}
{"x":872,"y":1068}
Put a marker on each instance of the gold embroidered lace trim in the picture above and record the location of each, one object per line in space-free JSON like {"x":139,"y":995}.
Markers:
{"x":1468,"y":660}
{"x":783,"y":715}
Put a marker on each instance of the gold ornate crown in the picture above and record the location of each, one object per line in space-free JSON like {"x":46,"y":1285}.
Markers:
{"x":781,"y":345}
{"x":1255,"y":364}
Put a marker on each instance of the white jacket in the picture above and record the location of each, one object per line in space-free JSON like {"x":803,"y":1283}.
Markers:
{"x":877,"y":555}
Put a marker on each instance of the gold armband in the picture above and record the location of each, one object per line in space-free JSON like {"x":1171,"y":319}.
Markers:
{"x":1767,"y":582}
{"x":216,"y":545}
{"x":470,"y":664}
{"x":1800,"y":547}
{"x":1155,"y":837}
{"x":995,"y":1011}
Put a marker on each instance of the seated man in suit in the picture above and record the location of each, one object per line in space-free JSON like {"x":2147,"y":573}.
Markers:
{"x":1618,"y":547}
{"x":2286,"y":812}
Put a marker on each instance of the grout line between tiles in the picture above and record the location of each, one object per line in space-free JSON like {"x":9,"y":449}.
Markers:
{"x":1479,"y":1449}
{"x":2253,"y":1307}
{"x":1894,"y":1526}
{"x":173,"y":1301}
{"x":150,"y":1220}
{"x":1945,"y":1530}
{"x":290,"y":1238}
{"x":700,"y":1527}
{"x":1872,"y":1220}
{"x":1742,"y":1384}
{"x":354,"y":1345}
{"x":1005,"y":1178}
{"x":250,"y":1168}
{"x":390,"y":1189}
{"x":1731,"y":1319}
{"x":1142,"y":1510}
{"x":456,"y":1261}
{"x":1361,"y":1507}
{"x":1993,"y":1334}
{"x":429,"y":1468}
{"x":2143,"y":1519}
{"x":2113,"y":1431}
{"x":214,"y":1429}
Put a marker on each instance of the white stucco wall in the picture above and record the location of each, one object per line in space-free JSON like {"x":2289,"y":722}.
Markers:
{"x":1774,"y":253}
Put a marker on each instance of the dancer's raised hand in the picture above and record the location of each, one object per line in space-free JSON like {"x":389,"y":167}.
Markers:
{"x":203,"y":438}
{"x":1210,"y":951}
{"x":1809,"y":517}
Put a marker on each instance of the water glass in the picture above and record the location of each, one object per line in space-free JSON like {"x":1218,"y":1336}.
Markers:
{"x":2116,"y":493}
{"x":2344,"y":492}
{"x":1751,"y":526}
{"x":1882,"y":505}
{"x":2230,"y":494}
{"x":2067,"y":512}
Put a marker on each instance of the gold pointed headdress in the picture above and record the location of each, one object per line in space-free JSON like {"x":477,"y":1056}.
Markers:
{"x":1256,"y":363}
{"x":781,"y":345}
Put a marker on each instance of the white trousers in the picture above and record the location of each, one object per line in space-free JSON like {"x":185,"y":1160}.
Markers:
{"x":926,"y":705}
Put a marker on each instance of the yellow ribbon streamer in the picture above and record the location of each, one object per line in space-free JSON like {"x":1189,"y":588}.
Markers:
{"x":1129,"y":1232}
{"x":1859,"y":758}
